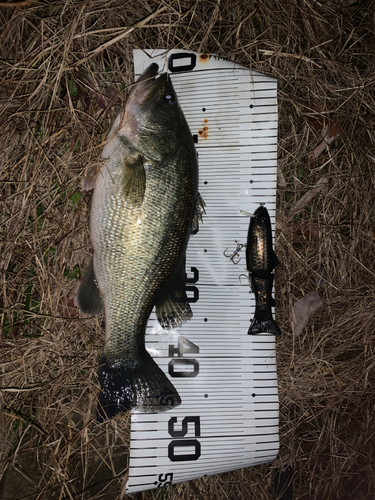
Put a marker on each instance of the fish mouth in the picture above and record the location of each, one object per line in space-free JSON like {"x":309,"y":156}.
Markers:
{"x":149,"y":84}
{"x":149,"y":73}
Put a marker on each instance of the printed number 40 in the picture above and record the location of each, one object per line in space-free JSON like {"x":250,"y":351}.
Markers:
{"x":186,"y":367}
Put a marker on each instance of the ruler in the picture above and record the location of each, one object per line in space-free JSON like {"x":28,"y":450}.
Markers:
{"x":229,"y":415}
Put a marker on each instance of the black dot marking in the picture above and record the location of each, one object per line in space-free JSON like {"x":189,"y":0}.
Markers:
{"x":206,"y":395}
{"x":195,"y":138}
{"x":205,"y":475}
{"x":251,"y":106}
{"x":203,"y":109}
{"x":253,"y":394}
{"x":205,"y":320}
{"x":205,"y":182}
{"x":251,"y":181}
{"x":205,"y":250}
{"x":155,"y":482}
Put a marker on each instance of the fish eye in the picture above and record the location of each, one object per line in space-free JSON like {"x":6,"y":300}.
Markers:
{"x":170,"y":97}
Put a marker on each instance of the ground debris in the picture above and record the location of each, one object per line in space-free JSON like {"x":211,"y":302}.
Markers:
{"x":62,"y":64}
{"x":302,"y":311}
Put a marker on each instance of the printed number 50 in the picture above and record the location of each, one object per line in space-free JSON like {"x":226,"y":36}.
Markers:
{"x":182,"y":450}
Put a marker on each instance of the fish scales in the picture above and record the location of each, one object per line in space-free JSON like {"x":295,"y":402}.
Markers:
{"x":135,"y":250}
{"x":144,"y":208}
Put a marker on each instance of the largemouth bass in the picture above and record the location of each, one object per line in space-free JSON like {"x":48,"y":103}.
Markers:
{"x":260,"y":262}
{"x":145,"y":206}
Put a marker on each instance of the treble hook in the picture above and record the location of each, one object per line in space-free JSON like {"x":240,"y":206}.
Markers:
{"x":233,"y":255}
{"x":247,"y":278}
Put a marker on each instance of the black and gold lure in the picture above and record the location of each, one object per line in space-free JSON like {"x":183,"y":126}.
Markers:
{"x":261,"y":260}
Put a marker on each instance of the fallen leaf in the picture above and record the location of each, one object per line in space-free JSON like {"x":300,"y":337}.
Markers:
{"x":306,"y":198}
{"x":329,"y":133}
{"x":302,"y":311}
{"x":67,"y":306}
{"x":334,"y":129}
{"x":303,"y":231}
{"x":90,"y":87}
{"x":330,"y":127}
{"x":107,"y":98}
{"x":316,"y":117}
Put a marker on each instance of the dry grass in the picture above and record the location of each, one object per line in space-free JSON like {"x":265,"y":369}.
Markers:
{"x":64,"y":71}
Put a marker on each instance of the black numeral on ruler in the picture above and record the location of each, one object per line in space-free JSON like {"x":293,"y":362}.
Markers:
{"x":175,"y":452}
{"x":164,"y":480}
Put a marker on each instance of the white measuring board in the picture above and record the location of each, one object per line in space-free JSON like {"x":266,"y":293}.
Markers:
{"x":229,"y":415}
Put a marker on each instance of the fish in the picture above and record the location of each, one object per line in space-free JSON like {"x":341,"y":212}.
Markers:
{"x":261,"y":260}
{"x":144,"y":208}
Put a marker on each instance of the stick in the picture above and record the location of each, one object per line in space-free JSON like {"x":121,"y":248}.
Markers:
{"x":127,"y":32}
{"x":293,"y":56}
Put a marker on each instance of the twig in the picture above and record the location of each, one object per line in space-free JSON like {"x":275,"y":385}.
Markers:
{"x":285,"y":54}
{"x":9,"y":23}
{"x":139,"y":24}
{"x":307,"y":197}
{"x":17,"y":4}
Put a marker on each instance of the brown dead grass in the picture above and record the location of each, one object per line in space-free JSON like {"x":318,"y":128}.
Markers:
{"x":64,"y":73}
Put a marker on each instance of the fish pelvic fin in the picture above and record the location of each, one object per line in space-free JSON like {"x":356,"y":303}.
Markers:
{"x":263,"y":326}
{"x":198,"y":214}
{"x":172,"y":307}
{"x":88,"y":297}
{"x":140,"y":385}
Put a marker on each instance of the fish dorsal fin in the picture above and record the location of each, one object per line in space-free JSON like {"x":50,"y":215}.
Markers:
{"x":198,"y":214}
{"x":172,"y":306}
{"x":88,"y":297}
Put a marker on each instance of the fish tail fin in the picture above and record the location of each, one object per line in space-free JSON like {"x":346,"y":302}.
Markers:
{"x":264,"y":326}
{"x":140,"y":385}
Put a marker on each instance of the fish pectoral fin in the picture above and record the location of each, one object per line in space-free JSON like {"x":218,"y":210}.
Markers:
{"x":198,"y":214}
{"x":139,"y":384}
{"x":172,"y":307}
{"x":134,"y":178}
{"x":89,"y":181}
{"x":88,"y":297}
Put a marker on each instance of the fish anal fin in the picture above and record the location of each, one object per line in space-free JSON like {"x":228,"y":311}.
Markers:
{"x":88,"y":296}
{"x":172,"y":307}
{"x":141,"y":385}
